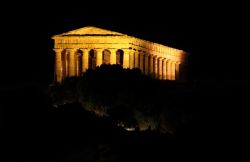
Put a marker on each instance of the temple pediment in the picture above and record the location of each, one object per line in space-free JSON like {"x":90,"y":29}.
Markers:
{"x":91,"y":31}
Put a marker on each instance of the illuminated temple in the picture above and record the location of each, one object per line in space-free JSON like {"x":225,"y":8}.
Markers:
{"x":89,"y":47}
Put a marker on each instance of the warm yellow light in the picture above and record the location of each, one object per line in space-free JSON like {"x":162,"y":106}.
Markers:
{"x":129,"y":129}
{"x":135,"y":53}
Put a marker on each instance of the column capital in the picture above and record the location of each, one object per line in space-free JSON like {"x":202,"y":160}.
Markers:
{"x":71,"y":50}
{"x":164,"y":59}
{"x":99,"y":49}
{"x":57,"y":49}
{"x":126,"y":50}
{"x":84,"y":49}
{"x":177,"y":62}
{"x":150,"y":55}
{"x":168,"y":60}
{"x":112,"y":49}
{"x":131,"y":51}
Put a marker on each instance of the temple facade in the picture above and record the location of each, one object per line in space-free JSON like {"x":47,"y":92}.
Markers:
{"x":89,"y":47}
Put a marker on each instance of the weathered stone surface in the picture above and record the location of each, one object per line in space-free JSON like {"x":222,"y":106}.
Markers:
{"x":154,"y":59}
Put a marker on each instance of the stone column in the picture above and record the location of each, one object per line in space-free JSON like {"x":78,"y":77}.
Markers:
{"x":126,"y":58}
{"x":112,"y":56}
{"x":85,"y":59}
{"x":168,"y":63}
{"x":177,"y":71}
{"x":160,"y":68}
{"x":58,"y":65}
{"x":146,"y":63}
{"x":136,"y":59}
{"x":173,"y":70}
{"x":155,"y":67}
{"x":99,"y":57}
{"x":151,"y":65}
{"x":76,"y":63}
{"x":66,"y":59}
{"x":131,"y":59}
{"x":164,"y":70}
{"x":141,"y":62}
{"x":72,"y":62}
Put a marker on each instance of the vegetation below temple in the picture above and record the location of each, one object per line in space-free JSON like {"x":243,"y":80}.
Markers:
{"x":210,"y":117}
{"x":132,"y":100}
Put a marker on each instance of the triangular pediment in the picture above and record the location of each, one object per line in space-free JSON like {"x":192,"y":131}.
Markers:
{"x":90,"y":30}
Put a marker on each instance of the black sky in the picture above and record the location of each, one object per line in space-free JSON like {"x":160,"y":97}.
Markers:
{"x":215,"y":34}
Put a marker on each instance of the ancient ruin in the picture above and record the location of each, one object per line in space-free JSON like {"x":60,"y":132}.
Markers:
{"x":89,"y":47}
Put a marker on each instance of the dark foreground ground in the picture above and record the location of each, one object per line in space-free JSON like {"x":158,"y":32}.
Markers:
{"x":33,"y":130}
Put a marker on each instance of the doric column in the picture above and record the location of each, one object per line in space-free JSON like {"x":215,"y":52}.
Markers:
{"x":136,"y":59}
{"x":160,"y":68}
{"x":155,"y":67}
{"x":85,"y":59}
{"x":77,"y":63}
{"x":146,"y":63}
{"x":58,"y":65}
{"x":66,"y":60}
{"x":173,"y":70}
{"x":141,"y":62}
{"x":164,"y":69}
{"x":112,"y":56}
{"x":131,"y":59}
{"x":177,"y":71}
{"x":72,"y":62}
{"x":151,"y":65}
{"x":126,"y":58}
{"x":168,"y":63}
{"x":99,"y":57}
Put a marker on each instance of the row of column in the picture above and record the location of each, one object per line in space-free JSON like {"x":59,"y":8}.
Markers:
{"x":158,"y":67}
{"x":71,"y":62}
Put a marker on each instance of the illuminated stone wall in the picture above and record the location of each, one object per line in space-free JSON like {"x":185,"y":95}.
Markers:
{"x":89,"y":47}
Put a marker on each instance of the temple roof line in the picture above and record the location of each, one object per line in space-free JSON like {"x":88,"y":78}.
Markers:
{"x":89,"y":30}
{"x":90,"y":35}
{"x":95,"y":31}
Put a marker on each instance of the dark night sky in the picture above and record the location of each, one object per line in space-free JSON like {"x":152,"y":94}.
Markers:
{"x":212,"y":33}
{"x":215,"y":34}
